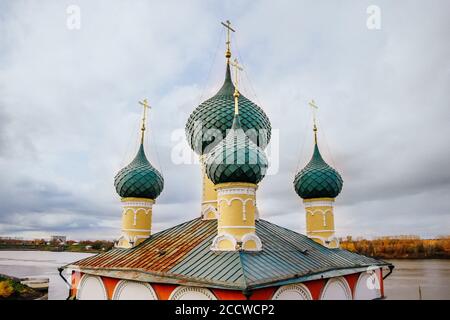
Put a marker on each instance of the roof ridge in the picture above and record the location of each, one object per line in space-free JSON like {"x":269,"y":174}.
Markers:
{"x":244,"y":274}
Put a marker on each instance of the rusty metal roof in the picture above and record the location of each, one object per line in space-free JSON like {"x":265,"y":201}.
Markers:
{"x":182,"y":254}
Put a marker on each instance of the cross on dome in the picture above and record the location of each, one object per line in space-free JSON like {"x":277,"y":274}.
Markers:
{"x":237,"y":68}
{"x":227,"y":25}
{"x":314,"y":108}
{"x":146,"y":106}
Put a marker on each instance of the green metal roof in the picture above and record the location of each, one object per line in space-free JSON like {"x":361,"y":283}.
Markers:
{"x":236,"y":158}
{"x":318,"y":179}
{"x":209,"y":122}
{"x":182,"y":255}
{"x":139,"y":179}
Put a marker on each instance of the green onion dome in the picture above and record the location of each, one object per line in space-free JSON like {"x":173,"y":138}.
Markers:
{"x":236,"y":158}
{"x":139,"y":179}
{"x":209,"y":122}
{"x":318,"y":179}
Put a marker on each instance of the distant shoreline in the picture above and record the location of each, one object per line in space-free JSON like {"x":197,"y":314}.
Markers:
{"x":400,"y":248}
{"x":88,"y":246}
{"x":45,"y":249}
{"x":412,"y":257}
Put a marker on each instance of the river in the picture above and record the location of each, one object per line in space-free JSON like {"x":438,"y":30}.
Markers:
{"x":432,"y":275}
{"x":43,"y":264}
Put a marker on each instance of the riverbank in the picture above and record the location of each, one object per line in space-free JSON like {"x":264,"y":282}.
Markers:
{"x":81,"y":248}
{"x":85,"y":246}
{"x":400,"y":247}
{"x":12,"y":288}
{"x":41,"y":264}
{"x":50,"y":249}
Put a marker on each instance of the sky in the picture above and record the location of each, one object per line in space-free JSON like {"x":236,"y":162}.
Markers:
{"x":70,"y":118}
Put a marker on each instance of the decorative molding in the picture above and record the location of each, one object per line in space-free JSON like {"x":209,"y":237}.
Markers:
{"x":209,"y":201}
{"x":374,"y":285}
{"x":320,"y":231}
{"x":321,"y":203}
{"x":325,"y":240}
{"x":251,"y":237}
{"x":135,"y":212}
{"x":319,"y":211}
{"x":298,"y":289}
{"x":122,"y":284}
{"x":137,"y":230}
{"x":180,"y":291}
{"x":131,"y":240}
{"x":236,"y":227}
{"x":82,"y":284}
{"x":140,"y":204}
{"x":342,"y":283}
{"x":243,"y":202}
{"x":125,"y":238}
{"x":237,"y":190}
{"x":324,"y":213}
{"x":206,"y":210}
{"x":223,"y":236}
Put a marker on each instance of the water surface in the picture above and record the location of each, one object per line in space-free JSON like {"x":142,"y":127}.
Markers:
{"x":40,"y":264}
{"x":431,"y":275}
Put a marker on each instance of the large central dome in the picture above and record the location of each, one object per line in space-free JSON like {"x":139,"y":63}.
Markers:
{"x":211,"y":120}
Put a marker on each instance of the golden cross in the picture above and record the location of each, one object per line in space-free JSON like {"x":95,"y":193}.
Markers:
{"x":146,"y":106}
{"x":227,"y":25}
{"x":314,"y":108}
{"x":237,"y":68}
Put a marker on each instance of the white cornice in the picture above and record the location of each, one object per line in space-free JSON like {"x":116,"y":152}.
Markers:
{"x":320,"y":203}
{"x":233,"y":190}
{"x":140,"y":204}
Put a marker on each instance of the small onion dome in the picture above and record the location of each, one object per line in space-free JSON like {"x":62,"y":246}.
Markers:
{"x":210,"y":121}
{"x":318,"y":179}
{"x":139,"y":179}
{"x":236,"y":158}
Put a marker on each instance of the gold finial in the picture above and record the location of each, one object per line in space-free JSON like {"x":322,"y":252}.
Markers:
{"x":314,"y":107}
{"x":227,"y":25}
{"x":237,"y":68}
{"x":145,"y":104}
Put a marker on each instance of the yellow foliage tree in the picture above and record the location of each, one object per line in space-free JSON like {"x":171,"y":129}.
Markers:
{"x":6,"y":289}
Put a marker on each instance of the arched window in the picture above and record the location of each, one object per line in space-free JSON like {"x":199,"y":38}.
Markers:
{"x":336,"y":289}
{"x":292,"y":292}
{"x":368,"y":286}
{"x":91,"y":288}
{"x":133,"y":290}
{"x":191,"y":293}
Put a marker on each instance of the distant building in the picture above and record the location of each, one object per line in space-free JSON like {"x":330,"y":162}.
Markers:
{"x":59,"y":239}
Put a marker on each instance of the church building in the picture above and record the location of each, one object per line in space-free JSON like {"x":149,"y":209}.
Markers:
{"x":229,"y":251}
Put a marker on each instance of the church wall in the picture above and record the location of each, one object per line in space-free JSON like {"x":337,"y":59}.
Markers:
{"x":164,"y":291}
{"x":110,"y":284}
{"x":315,"y":287}
{"x":352,"y":279}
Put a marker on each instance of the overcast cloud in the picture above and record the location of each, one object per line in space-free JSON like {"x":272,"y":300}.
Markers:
{"x":69,"y":118}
